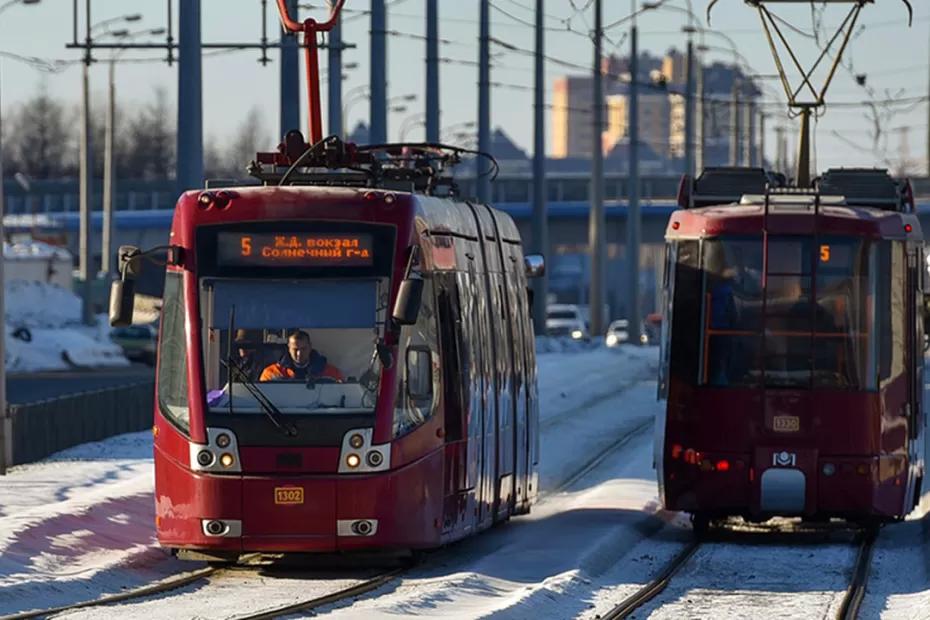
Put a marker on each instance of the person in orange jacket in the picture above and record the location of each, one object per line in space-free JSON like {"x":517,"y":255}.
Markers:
{"x":301,"y":363}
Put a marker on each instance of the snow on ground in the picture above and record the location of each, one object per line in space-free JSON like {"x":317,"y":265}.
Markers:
{"x":44,"y":331}
{"x":79,"y":525}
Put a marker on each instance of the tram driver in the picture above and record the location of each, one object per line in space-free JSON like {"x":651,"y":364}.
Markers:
{"x":301,"y":362}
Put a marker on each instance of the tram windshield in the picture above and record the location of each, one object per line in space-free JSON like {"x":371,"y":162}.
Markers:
{"x":812,"y":325}
{"x":307,"y":346}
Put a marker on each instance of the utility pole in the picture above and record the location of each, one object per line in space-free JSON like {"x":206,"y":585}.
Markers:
{"x":378,"y":101}
{"x":597,"y":236}
{"x":334,"y":60}
{"x":748,"y":129}
{"x":109,"y":183}
{"x":540,"y":216}
{"x":735,"y":122}
{"x":6,"y":423}
{"x":432,"y":71}
{"x":761,"y":139}
{"x":633,"y":214}
{"x":483,"y":181}
{"x":189,"y":173}
{"x":85,"y":273}
{"x":689,"y":109}
{"x":701,"y":156}
{"x":289,"y":78}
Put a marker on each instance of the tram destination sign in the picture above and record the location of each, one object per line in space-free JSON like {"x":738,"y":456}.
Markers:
{"x":238,"y":249}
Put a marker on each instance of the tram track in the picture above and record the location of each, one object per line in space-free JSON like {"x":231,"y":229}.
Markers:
{"x":855,"y":594}
{"x":849,"y":607}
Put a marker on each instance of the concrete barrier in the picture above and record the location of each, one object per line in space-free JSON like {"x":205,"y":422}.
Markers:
{"x":45,"y":427}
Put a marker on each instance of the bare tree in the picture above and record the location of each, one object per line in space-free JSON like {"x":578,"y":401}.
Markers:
{"x":150,"y":142}
{"x":249,"y":139}
{"x":40,"y":139}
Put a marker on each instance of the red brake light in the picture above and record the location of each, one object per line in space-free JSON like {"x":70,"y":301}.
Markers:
{"x":676,"y":451}
{"x":908,"y":228}
{"x":690,"y":456}
{"x":676,"y":225}
{"x":723,"y":465}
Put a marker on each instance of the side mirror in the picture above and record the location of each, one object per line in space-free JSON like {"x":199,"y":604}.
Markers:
{"x":535,"y":265}
{"x":409,"y":298}
{"x":123,"y":291}
{"x":122,"y":300}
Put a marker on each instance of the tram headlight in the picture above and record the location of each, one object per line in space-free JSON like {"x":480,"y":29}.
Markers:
{"x":205,"y":458}
{"x":374,"y":458}
{"x":227,"y":460}
{"x":223,"y":440}
{"x":356,"y":441}
{"x":829,"y":469}
{"x":353,"y":461}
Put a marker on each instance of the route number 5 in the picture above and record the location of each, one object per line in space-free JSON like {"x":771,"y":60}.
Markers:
{"x":825,"y":254}
{"x":246,"y":246}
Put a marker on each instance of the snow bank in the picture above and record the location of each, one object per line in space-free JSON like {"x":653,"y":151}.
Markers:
{"x":44,"y":331}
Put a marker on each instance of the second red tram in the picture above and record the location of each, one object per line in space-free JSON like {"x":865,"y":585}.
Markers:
{"x":792,"y":356}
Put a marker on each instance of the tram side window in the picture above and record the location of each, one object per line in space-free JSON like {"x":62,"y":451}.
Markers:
{"x":419,"y":375}
{"x":732,"y":295}
{"x":452,"y":345}
{"x":687,"y":322}
{"x":172,"y":355}
{"x":894,"y":339}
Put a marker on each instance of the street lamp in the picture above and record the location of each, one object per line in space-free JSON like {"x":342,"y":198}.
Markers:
{"x":109,"y":182}
{"x":84,"y":273}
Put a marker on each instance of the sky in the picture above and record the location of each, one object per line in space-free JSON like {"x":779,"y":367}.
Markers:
{"x":894,"y":58}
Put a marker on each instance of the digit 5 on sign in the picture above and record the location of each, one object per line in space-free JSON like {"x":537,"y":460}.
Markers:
{"x":246,"y":243}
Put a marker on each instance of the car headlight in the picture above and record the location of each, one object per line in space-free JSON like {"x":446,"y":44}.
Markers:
{"x":612,"y":340}
{"x":577,"y":334}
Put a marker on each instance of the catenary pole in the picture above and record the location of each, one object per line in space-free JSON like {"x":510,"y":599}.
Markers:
{"x":289,"y":77}
{"x":109,"y":181}
{"x":189,"y":173}
{"x":432,"y":71}
{"x":633,"y":212}
{"x":378,"y":101}
{"x":597,"y":237}
{"x":334,"y":67}
{"x":734,"y":123}
{"x":483,"y":181}
{"x":85,"y":273}
{"x":540,"y":216}
{"x":689,"y":108}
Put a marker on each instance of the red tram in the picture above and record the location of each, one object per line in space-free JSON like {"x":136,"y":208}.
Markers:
{"x":346,"y":359}
{"x":792,"y":356}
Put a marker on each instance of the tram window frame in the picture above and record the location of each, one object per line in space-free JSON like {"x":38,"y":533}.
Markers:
{"x":411,"y":413}
{"x":423,"y":366}
{"x":172,"y":355}
{"x":453,"y":349}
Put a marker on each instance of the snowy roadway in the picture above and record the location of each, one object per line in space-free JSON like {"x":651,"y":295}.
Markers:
{"x":79,"y":526}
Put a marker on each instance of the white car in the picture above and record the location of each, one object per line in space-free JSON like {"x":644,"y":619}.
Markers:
{"x":566,"y":320}
{"x":618,"y":332}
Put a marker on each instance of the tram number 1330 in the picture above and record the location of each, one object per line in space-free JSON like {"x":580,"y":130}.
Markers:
{"x":289,"y":495}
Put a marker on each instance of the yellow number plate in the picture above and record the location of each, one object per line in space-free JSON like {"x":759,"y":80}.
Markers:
{"x":288,"y":495}
{"x":786,"y":423}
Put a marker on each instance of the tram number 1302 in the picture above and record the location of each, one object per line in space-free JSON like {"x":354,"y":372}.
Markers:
{"x":289,"y":495}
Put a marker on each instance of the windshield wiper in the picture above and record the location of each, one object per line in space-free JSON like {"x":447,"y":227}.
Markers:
{"x":274,"y":414}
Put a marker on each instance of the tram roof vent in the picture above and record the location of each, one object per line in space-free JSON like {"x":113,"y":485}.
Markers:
{"x":725,"y":185}
{"x":866,"y":187}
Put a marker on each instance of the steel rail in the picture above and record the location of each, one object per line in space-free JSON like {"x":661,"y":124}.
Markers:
{"x":346,"y":593}
{"x":167,"y":585}
{"x":855,"y":594}
{"x":654,"y":587}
